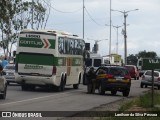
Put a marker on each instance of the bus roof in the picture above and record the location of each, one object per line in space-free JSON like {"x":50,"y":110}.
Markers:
{"x":56,"y":32}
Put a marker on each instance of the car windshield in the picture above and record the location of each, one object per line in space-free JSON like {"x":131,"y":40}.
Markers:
{"x":129,"y":68}
{"x":10,"y":67}
{"x":118,"y":71}
{"x":149,"y":73}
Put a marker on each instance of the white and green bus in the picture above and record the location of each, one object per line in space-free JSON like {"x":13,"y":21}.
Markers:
{"x":49,"y":58}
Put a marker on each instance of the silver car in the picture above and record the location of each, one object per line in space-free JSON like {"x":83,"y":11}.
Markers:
{"x":3,"y":87}
{"x":147,"y":79}
{"x":9,"y":73}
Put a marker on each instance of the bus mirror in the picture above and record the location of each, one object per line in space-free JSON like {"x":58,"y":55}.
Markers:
{"x":87,"y":46}
{"x":14,"y":53}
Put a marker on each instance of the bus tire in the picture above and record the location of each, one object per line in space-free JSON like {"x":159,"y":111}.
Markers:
{"x":76,"y":86}
{"x":61,"y":87}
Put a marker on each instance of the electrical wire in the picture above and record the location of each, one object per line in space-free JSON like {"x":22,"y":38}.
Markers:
{"x":92,"y":17}
{"x":62,"y":11}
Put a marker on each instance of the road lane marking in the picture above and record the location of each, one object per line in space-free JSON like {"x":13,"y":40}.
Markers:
{"x":37,"y":98}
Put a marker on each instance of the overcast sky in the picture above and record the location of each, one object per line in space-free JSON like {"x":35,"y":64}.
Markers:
{"x":142,"y":31}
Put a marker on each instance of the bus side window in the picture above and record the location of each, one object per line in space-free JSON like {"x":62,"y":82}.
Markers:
{"x":60,"y":46}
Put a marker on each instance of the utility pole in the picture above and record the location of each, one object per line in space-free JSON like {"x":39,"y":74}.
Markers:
{"x":110,"y":34}
{"x":83,"y":18}
{"x":32,"y":14}
{"x":125,"y":33}
{"x":117,"y":38}
{"x":125,"y":38}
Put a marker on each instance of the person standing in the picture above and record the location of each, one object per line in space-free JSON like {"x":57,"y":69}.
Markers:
{"x":91,"y":77}
{"x":4,"y":62}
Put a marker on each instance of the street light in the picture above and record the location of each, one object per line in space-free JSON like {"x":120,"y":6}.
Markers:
{"x":95,"y":48}
{"x":117,"y":38}
{"x":125,"y":33}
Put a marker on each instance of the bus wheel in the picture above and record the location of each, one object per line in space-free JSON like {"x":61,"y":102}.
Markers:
{"x":62,"y":85}
{"x":76,"y":86}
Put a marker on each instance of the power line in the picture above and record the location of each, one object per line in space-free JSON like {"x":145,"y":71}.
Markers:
{"x":92,"y":18}
{"x":60,"y":10}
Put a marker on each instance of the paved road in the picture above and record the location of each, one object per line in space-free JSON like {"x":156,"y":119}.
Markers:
{"x":69,"y":100}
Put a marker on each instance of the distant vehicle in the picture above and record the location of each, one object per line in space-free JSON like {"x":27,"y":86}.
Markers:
{"x":94,"y":61}
{"x":139,"y":66}
{"x":113,"y":78}
{"x":3,"y":85}
{"x":9,"y":73}
{"x":147,"y":79}
{"x":133,"y":71}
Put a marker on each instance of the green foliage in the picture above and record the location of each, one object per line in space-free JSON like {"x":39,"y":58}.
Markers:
{"x":145,"y":100}
{"x":15,"y":15}
{"x":144,"y":54}
{"x":142,"y":101}
{"x":132,"y":60}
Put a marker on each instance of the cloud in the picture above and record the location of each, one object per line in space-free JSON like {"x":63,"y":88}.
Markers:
{"x":142,"y":32}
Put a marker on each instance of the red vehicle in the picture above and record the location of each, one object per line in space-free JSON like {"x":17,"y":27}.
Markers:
{"x":134,"y":73}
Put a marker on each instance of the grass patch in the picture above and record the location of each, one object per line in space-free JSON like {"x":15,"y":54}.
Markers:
{"x":128,"y":105}
{"x":144,"y":101}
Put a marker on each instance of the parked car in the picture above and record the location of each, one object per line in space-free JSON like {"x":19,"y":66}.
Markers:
{"x":113,"y":78}
{"x":3,"y":85}
{"x":9,"y":73}
{"x":133,"y":71}
{"x":147,"y":79}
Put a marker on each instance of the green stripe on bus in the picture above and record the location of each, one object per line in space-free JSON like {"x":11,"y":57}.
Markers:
{"x":34,"y":59}
{"x":48,"y":60}
{"x":37,"y":43}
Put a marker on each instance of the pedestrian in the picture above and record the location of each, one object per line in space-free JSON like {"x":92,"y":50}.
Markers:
{"x":4,"y":62}
{"x":1,"y":70}
{"x":91,"y":77}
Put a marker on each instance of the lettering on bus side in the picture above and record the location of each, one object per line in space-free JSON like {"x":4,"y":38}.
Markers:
{"x":31,"y":42}
{"x":153,"y":61}
{"x":33,"y":66}
{"x":32,"y":36}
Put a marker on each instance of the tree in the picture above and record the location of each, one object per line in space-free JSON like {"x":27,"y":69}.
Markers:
{"x":132,"y":60}
{"x":15,"y":15}
{"x":144,"y":54}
